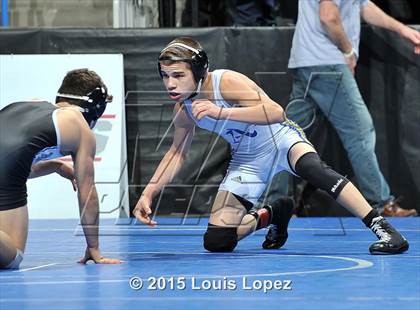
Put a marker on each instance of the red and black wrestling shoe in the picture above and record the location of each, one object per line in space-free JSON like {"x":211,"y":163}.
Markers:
{"x":282,"y":210}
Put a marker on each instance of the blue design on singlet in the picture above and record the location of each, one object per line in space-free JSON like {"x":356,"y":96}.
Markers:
{"x":237,"y":134}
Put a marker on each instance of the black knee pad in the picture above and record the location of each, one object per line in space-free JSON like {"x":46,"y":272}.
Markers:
{"x":220,"y":239}
{"x":312,"y":169}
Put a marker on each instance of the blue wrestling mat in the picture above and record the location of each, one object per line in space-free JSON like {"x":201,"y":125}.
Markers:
{"x":324,"y":265}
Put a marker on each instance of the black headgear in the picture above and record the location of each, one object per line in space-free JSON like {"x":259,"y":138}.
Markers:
{"x":199,"y":62}
{"x":93,"y":104}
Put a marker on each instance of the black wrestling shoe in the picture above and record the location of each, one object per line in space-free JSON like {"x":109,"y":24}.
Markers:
{"x":282,"y":210}
{"x":390,"y":240}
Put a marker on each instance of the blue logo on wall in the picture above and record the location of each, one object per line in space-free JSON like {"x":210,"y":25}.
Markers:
{"x":237,"y":134}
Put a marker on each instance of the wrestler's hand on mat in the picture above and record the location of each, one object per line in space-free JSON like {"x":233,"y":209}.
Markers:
{"x":204,"y":107}
{"x":97,"y":258}
{"x":142,"y":211}
{"x":66,"y":171}
{"x":413,"y":36}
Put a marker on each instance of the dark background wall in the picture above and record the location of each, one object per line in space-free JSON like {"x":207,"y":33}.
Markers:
{"x":388,"y":75}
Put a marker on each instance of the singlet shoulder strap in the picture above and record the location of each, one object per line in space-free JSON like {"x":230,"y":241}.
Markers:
{"x":216,"y":79}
